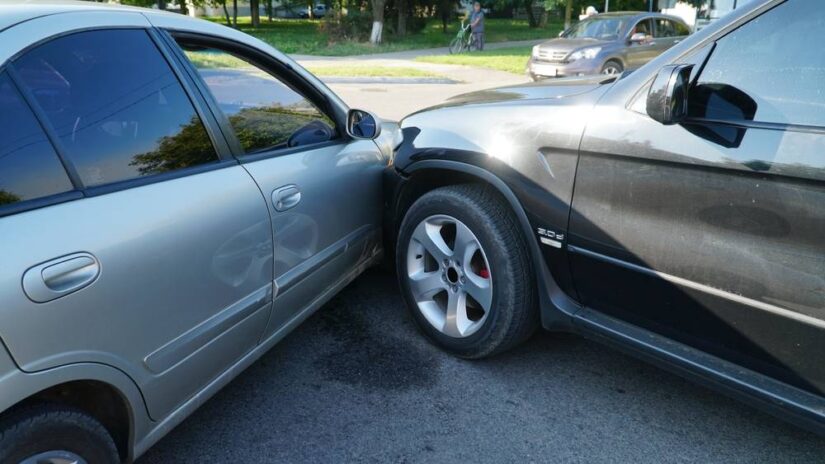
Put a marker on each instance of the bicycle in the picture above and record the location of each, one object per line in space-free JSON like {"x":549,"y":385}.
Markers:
{"x":464,"y":40}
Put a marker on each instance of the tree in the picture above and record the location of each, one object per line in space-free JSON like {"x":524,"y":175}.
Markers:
{"x":569,"y":7}
{"x":532,"y":21}
{"x":446,"y":13}
{"x":255,"y":13}
{"x":268,"y":7}
{"x":401,"y":30}
{"x":8,"y":197}
{"x":222,"y":4}
{"x":377,"y":21}
{"x":189,"y":147}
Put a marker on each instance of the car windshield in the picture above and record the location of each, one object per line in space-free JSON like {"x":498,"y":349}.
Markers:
{"x":597,"y":28}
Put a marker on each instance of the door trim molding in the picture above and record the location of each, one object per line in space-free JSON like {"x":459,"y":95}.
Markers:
{"x":177,"y":350}
{"x":767,"y":307}
{"x":303,"y":270}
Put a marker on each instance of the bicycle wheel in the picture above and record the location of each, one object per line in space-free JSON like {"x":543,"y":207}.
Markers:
{"x":472,"y":44}
{"x":456,"y":46}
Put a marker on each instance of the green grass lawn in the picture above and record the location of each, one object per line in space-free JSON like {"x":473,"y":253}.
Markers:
{"x":301,"y":36}
{"x":512,"y":59}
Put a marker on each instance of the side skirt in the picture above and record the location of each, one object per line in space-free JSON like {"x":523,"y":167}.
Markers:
{"x":776,"y":398}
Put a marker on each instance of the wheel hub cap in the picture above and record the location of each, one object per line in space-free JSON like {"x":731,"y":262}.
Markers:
{"x":449,"y":276}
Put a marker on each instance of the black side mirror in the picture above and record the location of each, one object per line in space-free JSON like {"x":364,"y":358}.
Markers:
{"x":667,"y":100}
{"x":363,"y":125}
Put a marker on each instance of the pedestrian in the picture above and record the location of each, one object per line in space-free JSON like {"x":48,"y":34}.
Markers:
{"x":477,"y":25}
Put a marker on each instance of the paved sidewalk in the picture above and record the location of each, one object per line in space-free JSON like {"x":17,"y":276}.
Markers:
{"x":394,"y":99}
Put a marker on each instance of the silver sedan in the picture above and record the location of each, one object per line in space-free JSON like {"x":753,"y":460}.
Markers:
{"x":175,"y":197}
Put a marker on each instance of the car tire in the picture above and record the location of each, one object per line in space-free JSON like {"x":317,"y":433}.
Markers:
{"x":499,"y":298}
{"x":47,"y":433}
{"x":612,"y":67}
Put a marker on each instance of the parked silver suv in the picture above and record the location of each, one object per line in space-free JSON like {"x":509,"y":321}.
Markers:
{"x":175,"y":197}
{"x":607,"y":43}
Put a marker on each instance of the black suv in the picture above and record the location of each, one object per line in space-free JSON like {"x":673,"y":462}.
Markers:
{"x":677,"y":212}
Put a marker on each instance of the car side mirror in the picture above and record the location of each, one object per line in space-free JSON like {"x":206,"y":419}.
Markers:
{"x":638,"y":37}
{"x":667,"y":100}
{"x":363,"y":125}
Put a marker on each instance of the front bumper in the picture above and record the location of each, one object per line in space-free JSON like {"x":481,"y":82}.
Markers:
{"x":545,"y":69}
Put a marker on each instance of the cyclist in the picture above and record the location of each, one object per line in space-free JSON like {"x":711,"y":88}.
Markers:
{"x":477,"y":25}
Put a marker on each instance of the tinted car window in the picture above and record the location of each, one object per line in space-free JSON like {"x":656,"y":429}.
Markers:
{"x":29,"y":166}
{"x":264,"y":112}
{"x":769,"y":70}
{"x":681,"y":29}
{"x":116,"y":106}
{"x":665,"y":28}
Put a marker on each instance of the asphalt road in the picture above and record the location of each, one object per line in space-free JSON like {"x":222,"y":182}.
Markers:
{"x":356,"y":383}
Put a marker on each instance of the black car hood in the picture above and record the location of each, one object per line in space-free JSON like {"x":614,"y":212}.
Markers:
{"x":550,"y":89}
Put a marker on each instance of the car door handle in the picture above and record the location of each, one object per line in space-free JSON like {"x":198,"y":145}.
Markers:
{"x":286,"y":197}
{"x":59,"y":277}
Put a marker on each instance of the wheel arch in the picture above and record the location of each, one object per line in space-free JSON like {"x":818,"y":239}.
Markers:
{"x":423,"y":176}
{"x":615,"y":58}
{"x":98,"y":399}
{"x":103,"y":392}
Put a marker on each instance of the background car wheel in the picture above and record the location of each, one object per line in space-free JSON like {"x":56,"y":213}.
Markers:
{"x":456,"y":46}
{"x":464,"y":271}
{"x":612,"y":67}
{"x":55,"y":435}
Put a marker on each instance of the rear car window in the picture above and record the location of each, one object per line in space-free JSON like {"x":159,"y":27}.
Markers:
{"x":665,"y":28}
{"x":117,"y":108}
{"x":29,"y":167}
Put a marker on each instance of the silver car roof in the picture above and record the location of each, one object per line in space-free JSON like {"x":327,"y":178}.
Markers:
{"x":23,"y":24}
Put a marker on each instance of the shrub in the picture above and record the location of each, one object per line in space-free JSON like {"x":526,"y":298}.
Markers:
{"x":353,"y":26}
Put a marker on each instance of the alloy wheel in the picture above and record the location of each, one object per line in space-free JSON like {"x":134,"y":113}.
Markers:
{"x":449,"y":276}
{"x":55,"y":457}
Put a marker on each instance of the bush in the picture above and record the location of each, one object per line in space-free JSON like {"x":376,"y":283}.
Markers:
{"x":416,"y":24}
{"x":353,"y":26}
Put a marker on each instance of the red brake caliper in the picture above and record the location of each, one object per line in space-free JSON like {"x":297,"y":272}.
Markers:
{"x":484,"y":273}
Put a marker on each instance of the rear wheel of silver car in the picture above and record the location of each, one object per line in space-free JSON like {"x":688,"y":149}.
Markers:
{"x":464,"y":271}
{"x":612,"y":67}
{"x":55,"y":435}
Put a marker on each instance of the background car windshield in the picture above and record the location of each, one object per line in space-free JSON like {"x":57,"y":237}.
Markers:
{"x":601,"y":29}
